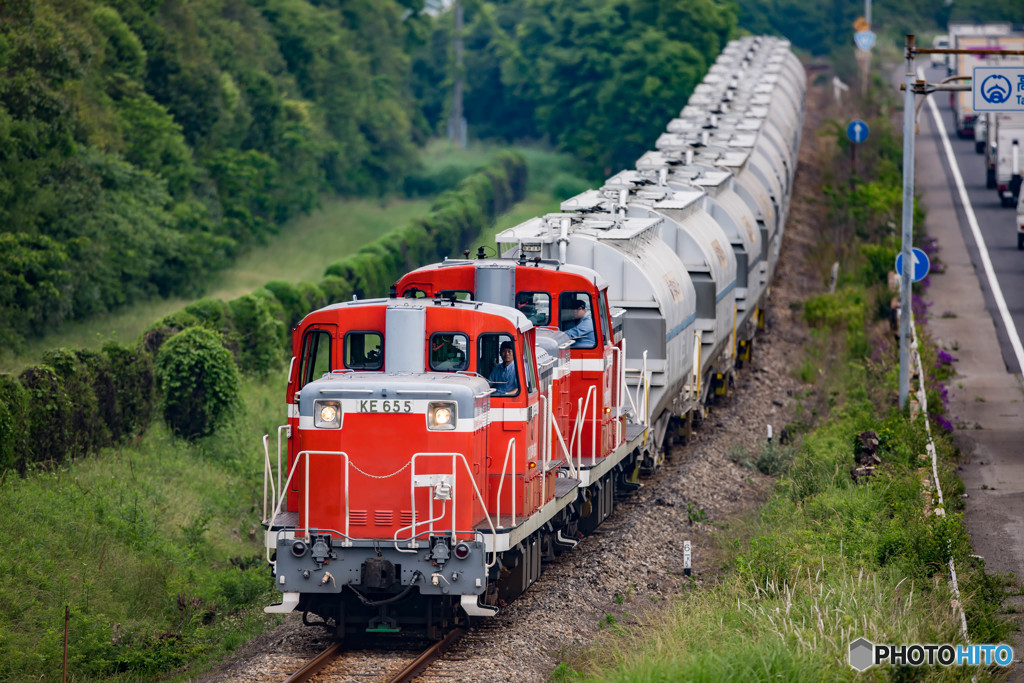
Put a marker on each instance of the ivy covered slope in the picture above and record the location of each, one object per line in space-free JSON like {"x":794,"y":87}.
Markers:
{"x":144,"y":143}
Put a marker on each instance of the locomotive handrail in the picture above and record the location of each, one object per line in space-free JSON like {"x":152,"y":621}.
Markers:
{"x":288,"y":431}
{"x":291,"y":473}
{"x":645,"y":384}
{"x":565,"y":449}
{"x":412,"y":490}
{"x":642,"y":389}
{"x":616,"y":354}
{"x":624,"y":389}
{"x":268,"y":471}
{"x":696,"y":376}
{"x":545,"y":434}
{"x":581,"y":411}
{"x":501,"y":484}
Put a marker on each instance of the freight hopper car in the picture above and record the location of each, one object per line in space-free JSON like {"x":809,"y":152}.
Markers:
{"x":647,"y":281}
{"x":704,"y":249}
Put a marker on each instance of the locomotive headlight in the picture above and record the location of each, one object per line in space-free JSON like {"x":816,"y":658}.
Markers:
{"x":327,"y":414}
{"x":442,"y":415}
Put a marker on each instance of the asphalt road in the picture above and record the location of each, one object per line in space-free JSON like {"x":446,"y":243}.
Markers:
{"x":986,"y":397}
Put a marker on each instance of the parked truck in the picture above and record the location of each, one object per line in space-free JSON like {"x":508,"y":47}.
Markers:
{"x":977,"y":37}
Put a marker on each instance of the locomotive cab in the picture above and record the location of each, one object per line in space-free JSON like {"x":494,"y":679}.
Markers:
{"x":414,"y":440}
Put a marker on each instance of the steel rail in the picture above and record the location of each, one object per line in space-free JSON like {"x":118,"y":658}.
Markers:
{"x":429,"y":655}
{"x":314,"y":665}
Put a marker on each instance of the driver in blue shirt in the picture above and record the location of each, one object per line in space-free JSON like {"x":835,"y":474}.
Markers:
{"x":503,"y":376}
{"x":583,"y":330}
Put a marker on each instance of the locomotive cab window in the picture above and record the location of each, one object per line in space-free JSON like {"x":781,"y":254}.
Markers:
{"x":536,"y":306}
{"x":496,"y":360}
{"x":602,"y":310}
{"x":363,"y":351}
{"x":576,"y":318}
{"x":529,"y":369}
{"x":449,"y":351}
{"x":316,"y":356}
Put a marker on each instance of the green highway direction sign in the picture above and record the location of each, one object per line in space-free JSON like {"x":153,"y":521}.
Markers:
{"x":998,"y":88}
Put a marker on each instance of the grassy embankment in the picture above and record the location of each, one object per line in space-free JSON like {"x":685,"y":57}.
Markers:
{"x":828,"y":559}
{"x":156,"y":546}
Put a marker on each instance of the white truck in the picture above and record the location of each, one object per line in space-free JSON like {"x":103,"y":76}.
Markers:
{"x":966,"y":37}
{"x":990,"y":150}
{"x":980,"y":132}
{"x":1009,"y":155}
{"x":1020,"y":222}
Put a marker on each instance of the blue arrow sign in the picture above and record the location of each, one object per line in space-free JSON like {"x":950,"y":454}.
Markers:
{"x":857,"y":131}
{"x":921,"y":265}
{"x":865,"y":40}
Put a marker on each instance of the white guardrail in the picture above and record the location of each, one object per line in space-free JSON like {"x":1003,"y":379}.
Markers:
{"x":940,"y":509}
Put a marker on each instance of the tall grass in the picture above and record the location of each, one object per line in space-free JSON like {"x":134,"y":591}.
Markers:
{"x":155,"y":547}
{"x":794,"y":629}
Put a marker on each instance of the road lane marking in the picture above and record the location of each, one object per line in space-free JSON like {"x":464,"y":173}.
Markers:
{"x":972,"y":220}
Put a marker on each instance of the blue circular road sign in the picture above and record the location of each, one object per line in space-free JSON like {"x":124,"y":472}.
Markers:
{"x":857,"y":131}
{"x":865,"y":40}
{"x":921,"y":265}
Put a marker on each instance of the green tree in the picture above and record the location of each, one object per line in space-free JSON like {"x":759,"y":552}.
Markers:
{"x":198,"y":380}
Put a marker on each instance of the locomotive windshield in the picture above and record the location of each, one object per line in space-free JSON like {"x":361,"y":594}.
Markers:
{"x":496,"y":360}
{"x":363,"y":351}
{"x":576,"y":318}
{"x":448,"y":352}
{"x":536,"y":306}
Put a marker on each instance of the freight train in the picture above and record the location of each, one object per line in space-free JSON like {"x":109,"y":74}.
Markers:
{"x":444,"y":443}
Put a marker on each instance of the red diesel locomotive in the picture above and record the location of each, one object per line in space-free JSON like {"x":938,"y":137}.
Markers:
{"x":441,"y":445}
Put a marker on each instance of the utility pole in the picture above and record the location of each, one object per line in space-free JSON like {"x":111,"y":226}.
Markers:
{"x":457,"y":123}
{"x":907,"y":234}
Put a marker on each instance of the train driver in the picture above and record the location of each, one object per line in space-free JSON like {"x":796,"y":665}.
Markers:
{"x":583,"y":330}
{"x":503,"y":376}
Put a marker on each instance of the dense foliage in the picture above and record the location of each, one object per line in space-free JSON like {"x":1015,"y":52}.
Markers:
{"x":827,"y":27}
{"x":198,"y":380}
{"x":142,"y":144}
{"x":72,"y":404}
{"x":598,"y":78}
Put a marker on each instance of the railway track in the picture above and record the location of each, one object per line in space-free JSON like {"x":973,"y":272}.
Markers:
{"x":328,"y":663}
